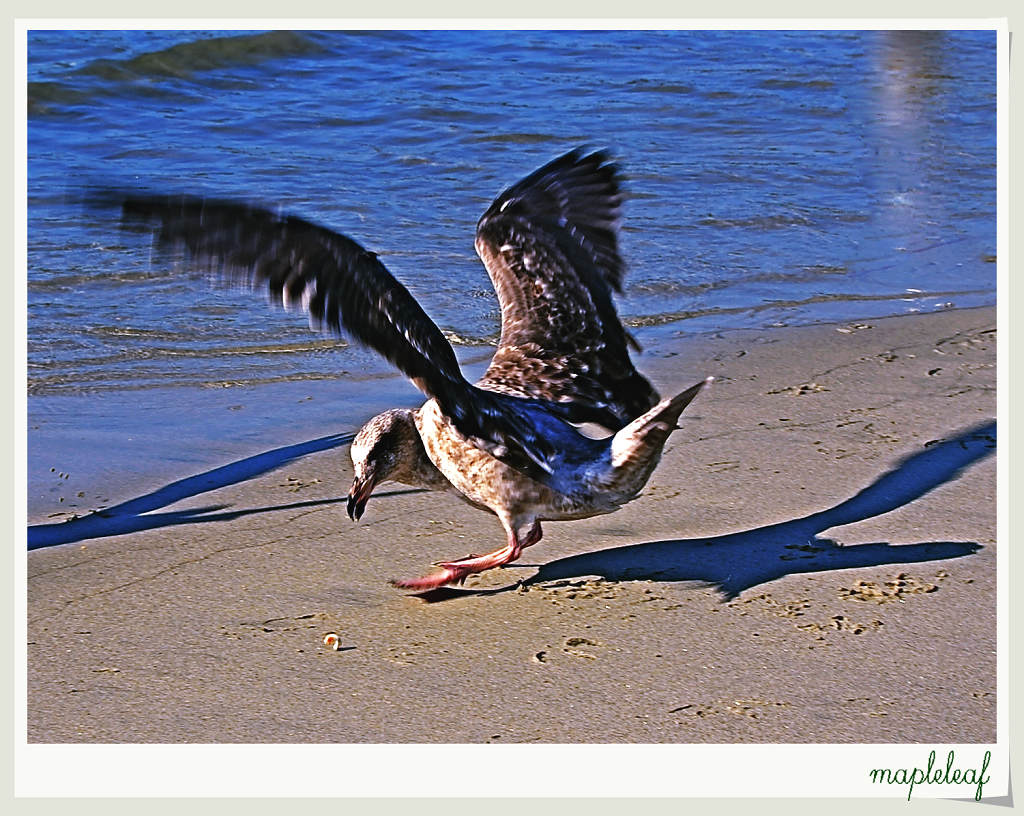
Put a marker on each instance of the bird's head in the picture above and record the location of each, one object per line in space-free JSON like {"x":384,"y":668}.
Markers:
{"x":379,"y":451}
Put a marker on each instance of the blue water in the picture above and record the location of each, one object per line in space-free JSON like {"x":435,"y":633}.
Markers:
{"x":774,"y":178}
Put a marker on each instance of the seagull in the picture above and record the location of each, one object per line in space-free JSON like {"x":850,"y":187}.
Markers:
{"x":512,"y":443}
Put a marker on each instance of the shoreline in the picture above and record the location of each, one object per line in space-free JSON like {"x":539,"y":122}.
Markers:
{"x":825,"y":519}
{"x":90,"y":451}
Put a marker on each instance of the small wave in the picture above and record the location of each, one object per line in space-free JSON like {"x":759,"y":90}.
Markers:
{"x":143,"y":334}
{"x":516,"y":138}
{"x":112,"y":383}
{"x":647,"y":86}
{"x":280,"y":378}
{"x":43,"y":97}
{"x":717,"y":176}
{"x":787,"y":84}
{"x":181,"y":61}
{"x":60,"y":283}
{"x":186,"y":59}
{"x":661,"y":287}
{"x":410,"y":160}
{"x":674,"y":287}
{"x":804,"y":274}
{"x":822,"y":111}
{"x":454,"y":114}
{"x":689,"y":314}
{"x":765,"y":222}
{"x":155,"y":353}
{"x":369,"y":120}
{"x":813,"y":216}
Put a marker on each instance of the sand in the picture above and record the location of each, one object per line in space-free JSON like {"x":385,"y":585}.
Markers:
{"x":813,"y":561}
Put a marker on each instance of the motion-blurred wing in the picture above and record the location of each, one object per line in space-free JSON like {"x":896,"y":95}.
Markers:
{"x":346,"y":290}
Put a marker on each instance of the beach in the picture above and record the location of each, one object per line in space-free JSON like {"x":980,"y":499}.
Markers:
{"x":814,"y":560}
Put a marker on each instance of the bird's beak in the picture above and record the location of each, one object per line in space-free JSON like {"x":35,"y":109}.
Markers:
{"x":358,"y":496}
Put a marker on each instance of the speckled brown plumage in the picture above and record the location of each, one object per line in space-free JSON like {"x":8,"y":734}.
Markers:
{"x":614,"y":476}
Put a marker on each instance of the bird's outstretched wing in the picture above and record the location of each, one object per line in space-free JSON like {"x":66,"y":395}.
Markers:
{"x":550,"y":245}
{"x":346,"y":290}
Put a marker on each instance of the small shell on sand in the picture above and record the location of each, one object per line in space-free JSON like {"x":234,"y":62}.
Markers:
{"x":332,"y":640}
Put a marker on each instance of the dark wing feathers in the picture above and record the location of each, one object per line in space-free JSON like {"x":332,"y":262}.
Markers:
{"x":550,"y":246}
{"x":345,"y":289}
{"x":581,"y":195}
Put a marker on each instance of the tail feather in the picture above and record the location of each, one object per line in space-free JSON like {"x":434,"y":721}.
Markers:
{"x":644,"y":437}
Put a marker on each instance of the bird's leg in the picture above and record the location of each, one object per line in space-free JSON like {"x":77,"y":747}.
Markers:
{"x":533,"y":536}
{"x":507,"y":554}
{"x":455,"y":572}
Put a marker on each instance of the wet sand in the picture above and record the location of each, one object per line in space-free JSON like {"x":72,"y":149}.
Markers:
{"x":813,"y":561}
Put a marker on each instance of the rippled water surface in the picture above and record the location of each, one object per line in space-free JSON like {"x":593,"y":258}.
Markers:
{"x":773,"y":177}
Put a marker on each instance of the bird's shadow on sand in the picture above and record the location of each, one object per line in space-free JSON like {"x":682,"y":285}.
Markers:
{"x":136,"y":514}
{"x":738,"y":561}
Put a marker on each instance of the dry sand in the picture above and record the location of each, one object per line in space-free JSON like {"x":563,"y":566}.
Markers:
{"x":813,"y":561}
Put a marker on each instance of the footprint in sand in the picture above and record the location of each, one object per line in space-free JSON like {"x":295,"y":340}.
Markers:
{"x":895,"y":590}
{"x":753,"y":709}
{"x":579,"y":647}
